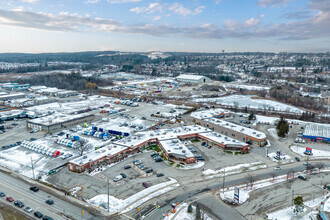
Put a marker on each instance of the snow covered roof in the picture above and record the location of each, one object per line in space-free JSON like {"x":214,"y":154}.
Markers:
{"x":238,"y":128}
{"x":208,"y":113}
{"x":317,"y":130}
{"x":220,"y":138}
{"x":57,"y":118}
{"x":190,"y":77}
{"x":97,"y":154}
{"x":11,"y":95}
{"x":175,"y":146}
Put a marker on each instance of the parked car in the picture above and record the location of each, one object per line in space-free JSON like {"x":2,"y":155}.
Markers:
{"x":127,"y":167}
{"x":277,"y":168}
{"x":19,"y":203}
{"x":137,"y":162}
{"x":146,"y":185}
{"x":203,"y":143}
{"x":2,"y":194}
{"x":306,"y":163}
{"x":302,"y":177}
{"x":154,"y":154}
{"x":158,"y":159}
{"x":123,"y":175}
{"x":34,"y":188}
{"x":49,"y":202}
{"x":38,"y":214}
{"x":160,"y":174}
{"x":28,"y":209}
{"x":141,"y":166}
{"x":149,"y":170}
{"x":117,"y":178}
{"x":33,"y":139}
{"x":66,"y":156}
{"x":47,"y":218}
{"x":10,"y":199}
{"x":297,"y":159}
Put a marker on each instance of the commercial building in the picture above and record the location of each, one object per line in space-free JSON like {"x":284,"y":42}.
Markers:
{"x":317,"y":133}
{"x":238,"y":132}
{"x":192,"y":78}
{"x":14,"y":86}
{"x":211,"y":113}
{"x":12,"y":96}
{"x":53,"y":123}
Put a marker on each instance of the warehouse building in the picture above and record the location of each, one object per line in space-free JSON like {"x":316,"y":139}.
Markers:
{"x":238,"y":132}
{"x":12,"y":96}
{"x":192,"y":78}
{"x":211,"y":113}
{"x":317,"y":133}
{"x":53,"y":123}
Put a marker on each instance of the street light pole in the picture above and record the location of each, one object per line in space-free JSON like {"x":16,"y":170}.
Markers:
{"x":223,"y":181}
{"x":292,"y":197}
{"x":32,"y":168}
{"x":108,"y":195}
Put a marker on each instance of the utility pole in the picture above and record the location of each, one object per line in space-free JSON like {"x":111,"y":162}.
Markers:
{"x":223,"y":181}
{"x":108,"y":195}
{"x":32,"y":168}
{"x":292,"y":197}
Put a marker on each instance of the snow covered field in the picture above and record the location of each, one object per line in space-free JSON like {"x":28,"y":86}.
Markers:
{"x":209,"y":173}
{"x":125,"y":205}
{"x":246,"y":100}
{"x":317,"y":154}
{"x":273,"y":132}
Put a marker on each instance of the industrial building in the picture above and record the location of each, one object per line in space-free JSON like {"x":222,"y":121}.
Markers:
{"x":12,"y":96}
{"x":317,"y":133}
{"x":14,"y":86}
{"x":192,"y":78}
{"x":53,"y":123}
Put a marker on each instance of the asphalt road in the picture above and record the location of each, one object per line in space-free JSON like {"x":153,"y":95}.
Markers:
{"x":19,"y":190}
{"x":226,"y":212}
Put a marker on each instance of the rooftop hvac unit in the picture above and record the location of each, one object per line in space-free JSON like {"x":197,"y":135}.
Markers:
{"x":254,"y":132}
{"x":258,"y":135}
{"x":169,"y":151}
{"x":183,"y":151}
{"x":180,"y":147}
{"x":234,"y":140}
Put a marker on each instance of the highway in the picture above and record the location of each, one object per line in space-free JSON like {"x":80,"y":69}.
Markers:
{"x":203,"y":196}
{"x":19,"y":190}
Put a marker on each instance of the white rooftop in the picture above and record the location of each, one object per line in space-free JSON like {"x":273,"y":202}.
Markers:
{"x":220,"y":138}
{"x":317,"y":130}
{"x":57,"y":118}
{"x":235,"y":127}
{"x":191,"y":77}
{"x":175,"y":146}
{"x":210,"y":113}
{"x":97,"y":154}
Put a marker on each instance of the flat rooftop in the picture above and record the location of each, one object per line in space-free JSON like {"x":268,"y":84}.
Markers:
{"x":210,"y":113}
{"x":238,"y":128}
{"x":175,"y":146}
{"x":220,"y":138}
{"x":57,"y":118}
{"x":317,"y":130}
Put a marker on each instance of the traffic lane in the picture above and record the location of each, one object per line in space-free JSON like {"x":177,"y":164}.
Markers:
{"x":59,"y":206}
{"x":36,"y":205}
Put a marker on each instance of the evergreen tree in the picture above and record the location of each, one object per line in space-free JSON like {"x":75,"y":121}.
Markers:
{"x":251,"y":116}
{"x":282,"y":128}
{"x":299,"y":204}
{"x":198,"y":213}
{"x":189,"y":209}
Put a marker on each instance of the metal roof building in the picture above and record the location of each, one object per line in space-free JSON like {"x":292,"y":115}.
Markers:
{"x":317,"y":132}
{"x":192,"y":78}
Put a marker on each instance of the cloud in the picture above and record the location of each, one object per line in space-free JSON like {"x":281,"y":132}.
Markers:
{"x":29,"y":1}
{"x":92,"y":1}
{"x":217,"y":1}
{"x":122,"y":1}
{"x":266,"y":3}
{"x":175,"y":8}
{"x":317,"y":26}
{"x":157,"y":18}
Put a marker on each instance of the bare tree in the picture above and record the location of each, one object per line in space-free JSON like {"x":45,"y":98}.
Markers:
{"x":273,"y":175}
{"x":83,"y":146}
{"x":251,"y":180}
{"x":319,"y":166}
{"x":292,"y":173}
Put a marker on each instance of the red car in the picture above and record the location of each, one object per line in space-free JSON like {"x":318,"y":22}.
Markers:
{"x":146,"y":185}
{"x":9,"y":199}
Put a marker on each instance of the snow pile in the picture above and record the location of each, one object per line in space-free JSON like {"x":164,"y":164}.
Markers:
{"x":182,"y":213}
{"x":196,"y":165}
{"x":284,"y":214}
{"x":124,"y":205}
{"x":316,"y":201}
{"x":317,"y":154}
{"x":234,"y":169}
{"x":260,"y":119}
{"x":326,"y":206}
{"x":273,"y":132}
{"x":75,"y":190}
{"x":283,"y":159}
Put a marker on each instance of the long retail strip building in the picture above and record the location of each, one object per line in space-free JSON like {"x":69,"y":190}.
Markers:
{"x":317,"y":133}
{"x":170,"y":142}
{"x":212,"y":119}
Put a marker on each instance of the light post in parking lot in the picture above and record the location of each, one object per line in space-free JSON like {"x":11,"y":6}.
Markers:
{"x":108,"y":194}
{"x":223,"y":181}
{"x":32,"y":168}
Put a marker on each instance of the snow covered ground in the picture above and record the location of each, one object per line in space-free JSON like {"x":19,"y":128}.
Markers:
{"x":182,"y":213}
{"x":273,"y":133}
{"x":247,"y":100}
{"x":125,"y":205}
{"x":317,"y":154}
{"x":284,"y":214}
{"x":193,"y":166}
{"x":265,"y":119}
{"x":209,"y":173}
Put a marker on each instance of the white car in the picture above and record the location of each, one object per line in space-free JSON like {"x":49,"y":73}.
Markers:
{"x":277,"y":168}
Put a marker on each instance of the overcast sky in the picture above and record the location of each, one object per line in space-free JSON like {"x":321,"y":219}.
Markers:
{"x":165,"y":25}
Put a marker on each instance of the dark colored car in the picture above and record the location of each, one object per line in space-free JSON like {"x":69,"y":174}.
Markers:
{"x":9,"y":199}
{"x":158,"y":159}
{"x":47,"y":218}
{"x":123,"y":175}
{"x":160,"y":174}
{"x":50,"y":202}
{"x":203,"y":143}
{"x":38,"y":214}
{"x":34,"y":188}
{"x":33,"y":139}
{"x":146,"y":185}
{"x":302,"y":177}
{"x":2,"y":194}
{"x":154,"y":154}
{"x":149,"y":170}
{"x":127,"y":167}
{"x":19,"y":203}
{"x":297,"y":159}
